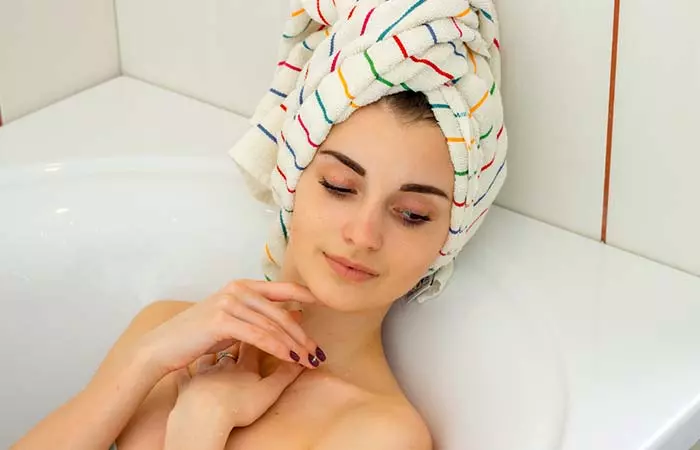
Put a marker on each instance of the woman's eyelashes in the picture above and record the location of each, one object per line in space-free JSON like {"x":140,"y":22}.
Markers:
{"x":411,"y":219}
{"x":407,"y":217}
{"x":335,"y":190}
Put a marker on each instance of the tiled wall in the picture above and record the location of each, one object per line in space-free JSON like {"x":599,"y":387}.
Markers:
{"x":556,"y":72}
{"x":51,"y":49}
{"x":219,"y":51}
{"x":655,"y":178}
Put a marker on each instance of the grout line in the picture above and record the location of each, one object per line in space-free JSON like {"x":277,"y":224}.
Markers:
{"x":117,"y":37}
{"x":187,"y":95}
{"x":611,"y":120}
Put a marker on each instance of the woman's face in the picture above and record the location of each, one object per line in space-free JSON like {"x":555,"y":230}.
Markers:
{"x":377,"y":194}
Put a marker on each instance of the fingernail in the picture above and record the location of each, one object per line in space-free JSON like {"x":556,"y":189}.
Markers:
{"x":313,"y":360}
{"x":294,"y":356}
{"x":320,"y":354}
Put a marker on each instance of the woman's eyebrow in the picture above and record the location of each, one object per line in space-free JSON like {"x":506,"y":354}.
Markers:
{"x":351,"y":163}
{"x":424,"y":189}
{"x":357,"y":168}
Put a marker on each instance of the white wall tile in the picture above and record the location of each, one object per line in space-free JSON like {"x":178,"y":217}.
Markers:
{"x":221,"y":52}
{"x":51,"y":49}
{"x":556,"y":71}
{"x":655,"y":179}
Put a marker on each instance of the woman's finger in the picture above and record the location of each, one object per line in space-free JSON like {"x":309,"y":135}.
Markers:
{"x":257,"y":303}
{"x":235,"y":349}
{"x":223,"y":345}
{"x":275,"y":291}
{"x":240,"y":309}
{"x":229,"y":356}
{"x":204,"y":362}
{"x":245,"y":332}
{"x":284,"y":320}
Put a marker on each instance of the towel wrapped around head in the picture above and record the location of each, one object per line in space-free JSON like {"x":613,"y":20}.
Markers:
{"x":339,"y":55}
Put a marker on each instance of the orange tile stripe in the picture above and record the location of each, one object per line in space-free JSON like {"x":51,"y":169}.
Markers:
{"x":611,"y":117}
{"x":297,"y":12}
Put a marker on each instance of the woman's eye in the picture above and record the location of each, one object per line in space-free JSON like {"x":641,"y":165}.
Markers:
{"x":412,"y":219}
{"x":408,"y":218}
{"x":335,"y":190}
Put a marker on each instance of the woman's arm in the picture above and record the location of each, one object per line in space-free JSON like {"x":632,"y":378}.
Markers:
{"x":95,"y":416}
{"x":204,"y":431}
{"x":158,"y":343}
{"x":223,"y":394}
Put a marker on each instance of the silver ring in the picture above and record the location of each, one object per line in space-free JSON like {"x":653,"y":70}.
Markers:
{"x":222,"y":355}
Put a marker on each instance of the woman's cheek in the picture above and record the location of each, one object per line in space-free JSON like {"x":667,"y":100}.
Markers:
{"x":326,"y":213}
{"x":417,"y":252}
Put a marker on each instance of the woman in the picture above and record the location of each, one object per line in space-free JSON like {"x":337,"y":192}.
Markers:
{"x":384,"y":201}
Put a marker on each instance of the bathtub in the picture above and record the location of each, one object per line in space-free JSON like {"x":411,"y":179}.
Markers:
{"x":90,"y":242}
{"x":124,"y":194}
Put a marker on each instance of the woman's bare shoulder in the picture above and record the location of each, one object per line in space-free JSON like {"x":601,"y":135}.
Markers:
{"x":386,"y":424}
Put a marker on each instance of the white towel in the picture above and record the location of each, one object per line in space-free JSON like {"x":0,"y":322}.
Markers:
{"x":339,"y":55}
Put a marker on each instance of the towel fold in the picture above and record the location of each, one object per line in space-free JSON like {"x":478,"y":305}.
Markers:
{"x":339,"y":55}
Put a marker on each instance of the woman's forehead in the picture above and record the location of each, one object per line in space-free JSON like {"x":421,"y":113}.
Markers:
{"x":376,"y":137}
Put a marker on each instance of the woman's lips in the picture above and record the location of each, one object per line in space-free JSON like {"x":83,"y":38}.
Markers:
{"x":346,"y":272}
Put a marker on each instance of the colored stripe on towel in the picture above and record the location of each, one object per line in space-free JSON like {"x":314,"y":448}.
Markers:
{"x":403,"y":16}
{"x":291,"y":150}
{"x":421,"y":60}
{"x":364,"y":24}
{"x":323,"y":108}
{"x":291,"y":191}
{"x":286,"y":64}
{"x":278,"y":93}
{"x":267,"y":133}
{"x":374,"y":71}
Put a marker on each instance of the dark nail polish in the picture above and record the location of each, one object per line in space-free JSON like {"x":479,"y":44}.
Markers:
{"x":294,"y":356}
{"x":320,"y":354}
{"x":313,"y":360}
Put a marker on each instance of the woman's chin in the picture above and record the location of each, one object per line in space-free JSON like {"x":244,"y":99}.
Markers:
{"x":340,"y":296}
{"x":338,"y":290}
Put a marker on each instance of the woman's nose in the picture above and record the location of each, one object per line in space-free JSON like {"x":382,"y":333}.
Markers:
{"x":364,"y":229}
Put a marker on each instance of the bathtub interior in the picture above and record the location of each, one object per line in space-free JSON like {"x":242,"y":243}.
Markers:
{"x":90,"y":236}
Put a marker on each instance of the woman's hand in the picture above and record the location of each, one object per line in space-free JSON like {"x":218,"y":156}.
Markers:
{"x":222,"y":395}
{"x":245,"y":310}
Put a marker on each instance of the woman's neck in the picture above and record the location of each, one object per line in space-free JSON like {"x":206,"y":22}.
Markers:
{"x":351,"y":341}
